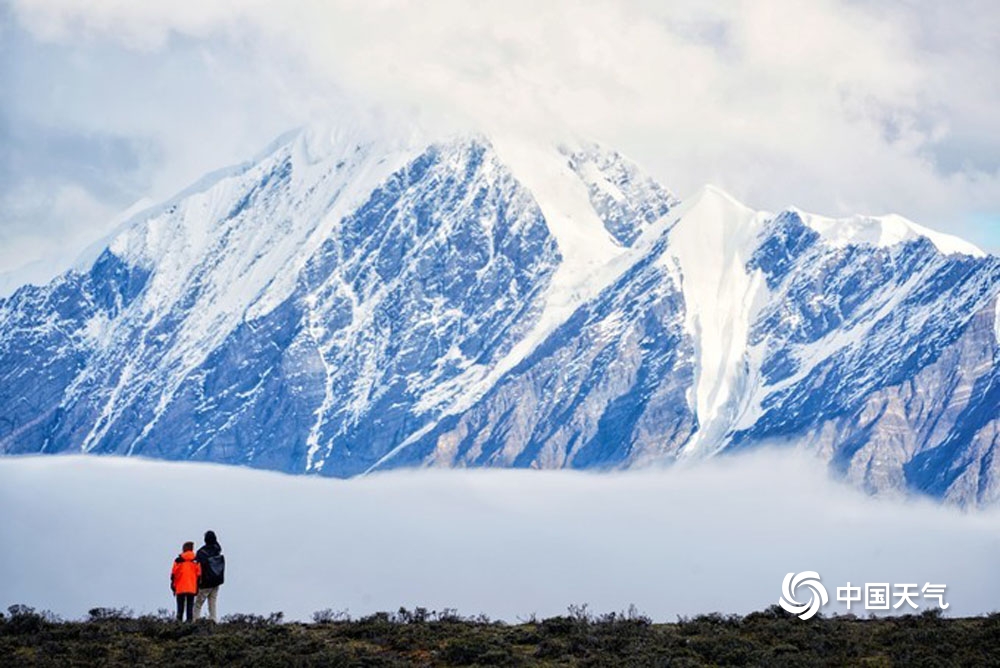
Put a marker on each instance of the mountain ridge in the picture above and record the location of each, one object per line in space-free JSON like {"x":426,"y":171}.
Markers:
{"x":349,"y":302}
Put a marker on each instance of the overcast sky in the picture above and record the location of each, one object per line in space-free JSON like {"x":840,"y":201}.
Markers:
{"x":834,"y":106}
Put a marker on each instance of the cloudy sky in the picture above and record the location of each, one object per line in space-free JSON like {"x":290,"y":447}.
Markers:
{"x":835,"y":106}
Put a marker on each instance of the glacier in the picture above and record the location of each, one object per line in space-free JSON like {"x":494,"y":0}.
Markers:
{"x":355,"y":300}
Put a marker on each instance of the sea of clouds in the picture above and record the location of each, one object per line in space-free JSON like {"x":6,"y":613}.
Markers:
{"x":80,"y":532}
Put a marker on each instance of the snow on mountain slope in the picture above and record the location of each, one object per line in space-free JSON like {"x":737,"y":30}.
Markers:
{"x":713,"y":242}
{"x":314,"y":309}
{"x":586,"y":250}
{"x":846,"y":328}
{"x":361,"y":297}
{"x":883,"y":231}
{"x":608,"y":388}
{"x":231,"y":253}
{"x":599,"y":207}
{"x":739,"y":327}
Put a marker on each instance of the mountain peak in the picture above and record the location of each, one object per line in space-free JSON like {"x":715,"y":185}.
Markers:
{"x":882,"y":232}
{"x":357,"y":299}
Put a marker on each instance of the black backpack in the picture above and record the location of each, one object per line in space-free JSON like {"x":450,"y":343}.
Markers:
{"x":213,"y":570}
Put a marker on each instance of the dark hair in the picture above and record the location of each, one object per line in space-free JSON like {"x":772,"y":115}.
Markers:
{"x":210,"y":538}
{"x":187,"y":546}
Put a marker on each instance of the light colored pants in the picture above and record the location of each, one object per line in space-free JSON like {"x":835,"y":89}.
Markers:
{"x":212,"y":594}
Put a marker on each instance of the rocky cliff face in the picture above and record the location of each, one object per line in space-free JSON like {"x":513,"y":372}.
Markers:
{"x":348,"y":303}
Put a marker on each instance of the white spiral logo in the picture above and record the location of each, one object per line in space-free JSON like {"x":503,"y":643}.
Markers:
{"x":817,"y":596}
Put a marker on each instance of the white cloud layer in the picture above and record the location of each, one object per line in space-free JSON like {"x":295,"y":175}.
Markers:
{"x":836,"y":106}
{"x":80,"y":532}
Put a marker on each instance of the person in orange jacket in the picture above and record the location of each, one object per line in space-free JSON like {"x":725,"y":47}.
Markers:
{"x":184,"y":579}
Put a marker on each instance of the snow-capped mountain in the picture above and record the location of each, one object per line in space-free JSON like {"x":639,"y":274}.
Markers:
{"x":354,"y":300}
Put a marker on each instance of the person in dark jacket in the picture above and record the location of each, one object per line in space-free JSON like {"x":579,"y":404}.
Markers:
{"x":213,"y":574}
{"x":184,"y":576}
